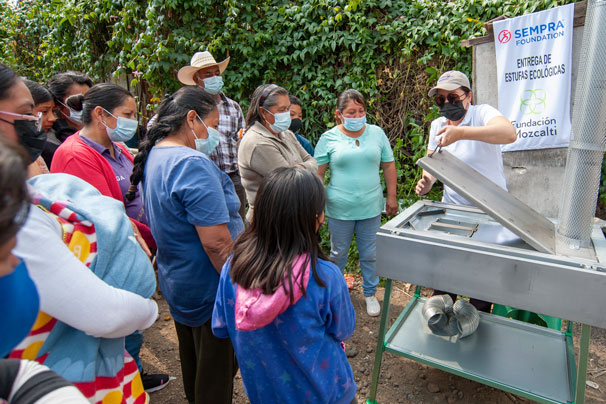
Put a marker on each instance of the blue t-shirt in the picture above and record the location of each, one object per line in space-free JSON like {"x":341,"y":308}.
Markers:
{"x":183,"y":188}
{"x":354,"y":191}
{"x":298,"y":357}
{"x":306,"y":144}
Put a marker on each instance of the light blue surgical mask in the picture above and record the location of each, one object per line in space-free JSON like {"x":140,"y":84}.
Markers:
{"x":213,"y":84}
{"x":208,"y":145}
{"x":124,"y":130}
{"x":281,"y":121}
{"x":354,"y":124}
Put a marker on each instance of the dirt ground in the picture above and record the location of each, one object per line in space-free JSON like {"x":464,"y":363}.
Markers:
{"x":401,"y":381}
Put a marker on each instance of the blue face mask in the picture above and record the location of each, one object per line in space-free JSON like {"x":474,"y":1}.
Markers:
{"x":213,"y":85}
{"x":208,"y":145}
{"x":19,"y":306}
{"x":354,"y":124}
{"x":124,"y":130}
{"x":281,"y":121}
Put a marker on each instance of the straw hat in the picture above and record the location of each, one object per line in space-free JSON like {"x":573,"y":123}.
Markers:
{"x":200,"y":60}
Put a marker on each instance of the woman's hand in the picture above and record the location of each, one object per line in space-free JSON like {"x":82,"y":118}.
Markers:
{"x":391,"y":205}
{"x":391,"y":179}
{"x":448,"y":135}
{"x":140,"y":240}
{"x":425,"y":184}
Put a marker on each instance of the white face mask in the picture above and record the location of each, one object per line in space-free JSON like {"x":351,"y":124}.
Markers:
{"x":74,"y":116}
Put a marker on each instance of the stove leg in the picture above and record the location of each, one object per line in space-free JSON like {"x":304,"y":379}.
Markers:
{"x":376,"y":370}
{"x":582,"y":368}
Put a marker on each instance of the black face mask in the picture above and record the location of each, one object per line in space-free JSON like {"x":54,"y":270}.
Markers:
{"x":453,"y":111}
{"x":32,"y":139}
{"x":295,"y":125}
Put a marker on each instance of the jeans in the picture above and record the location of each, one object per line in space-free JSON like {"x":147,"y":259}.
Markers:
{"x":341,"y":233}
{"x":132,"y":344}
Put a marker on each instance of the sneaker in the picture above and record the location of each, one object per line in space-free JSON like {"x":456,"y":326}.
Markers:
{"x":154,"y":381}
{"x":372,"y":306}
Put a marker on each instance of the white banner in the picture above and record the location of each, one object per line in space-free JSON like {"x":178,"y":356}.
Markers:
{"x":534,"y":65}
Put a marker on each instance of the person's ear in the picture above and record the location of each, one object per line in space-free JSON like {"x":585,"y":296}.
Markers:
{"x":470,"y":96}
{"x":338,"y":117}
{"x":262,"y":113}
{"x":191,"y":118}
{"x":99,"y":115}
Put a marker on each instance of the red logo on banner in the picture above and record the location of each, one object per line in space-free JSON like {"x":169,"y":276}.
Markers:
{"x":504,"y":36}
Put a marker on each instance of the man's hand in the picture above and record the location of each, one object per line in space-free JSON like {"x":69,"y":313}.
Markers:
{"x":424,"y":185}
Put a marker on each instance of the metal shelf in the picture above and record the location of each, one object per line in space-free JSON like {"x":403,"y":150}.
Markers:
{"x":528,"y":360}
{"x":533,"y":362}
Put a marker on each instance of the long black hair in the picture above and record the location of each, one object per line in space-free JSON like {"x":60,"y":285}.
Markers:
{"x":8,"y":78}
{"x":60,"y":83}
{"x":171,"y":116}
{"x":105,"y":95}
{"x":39,"y":93}
{"x":266,"y":96}
{"x":288,"y":206}
{"x":14,"y":197}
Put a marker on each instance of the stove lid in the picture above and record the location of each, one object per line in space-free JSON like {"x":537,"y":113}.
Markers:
{"x":499,"y":204}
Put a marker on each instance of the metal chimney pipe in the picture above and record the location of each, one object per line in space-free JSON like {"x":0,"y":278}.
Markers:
{"x":588,"y":138}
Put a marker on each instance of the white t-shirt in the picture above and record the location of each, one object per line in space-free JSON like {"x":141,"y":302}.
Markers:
{"x":71,"y":292}
{"x":486,"y":158}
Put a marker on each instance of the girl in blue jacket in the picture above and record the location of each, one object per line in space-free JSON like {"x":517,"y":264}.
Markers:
{"x":284,"y":306}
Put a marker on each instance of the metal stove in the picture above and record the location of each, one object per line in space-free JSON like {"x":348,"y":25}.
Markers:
{"x":503,"y":252}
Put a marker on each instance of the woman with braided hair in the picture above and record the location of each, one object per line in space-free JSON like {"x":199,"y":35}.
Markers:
{"x":192,"y":210}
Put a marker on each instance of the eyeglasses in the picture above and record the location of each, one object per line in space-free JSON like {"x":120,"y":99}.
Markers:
{"x":451,"y":97}
{"x":36,"y":118}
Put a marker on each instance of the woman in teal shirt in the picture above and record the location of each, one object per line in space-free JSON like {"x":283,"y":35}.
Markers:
{"x":355,"y":152}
